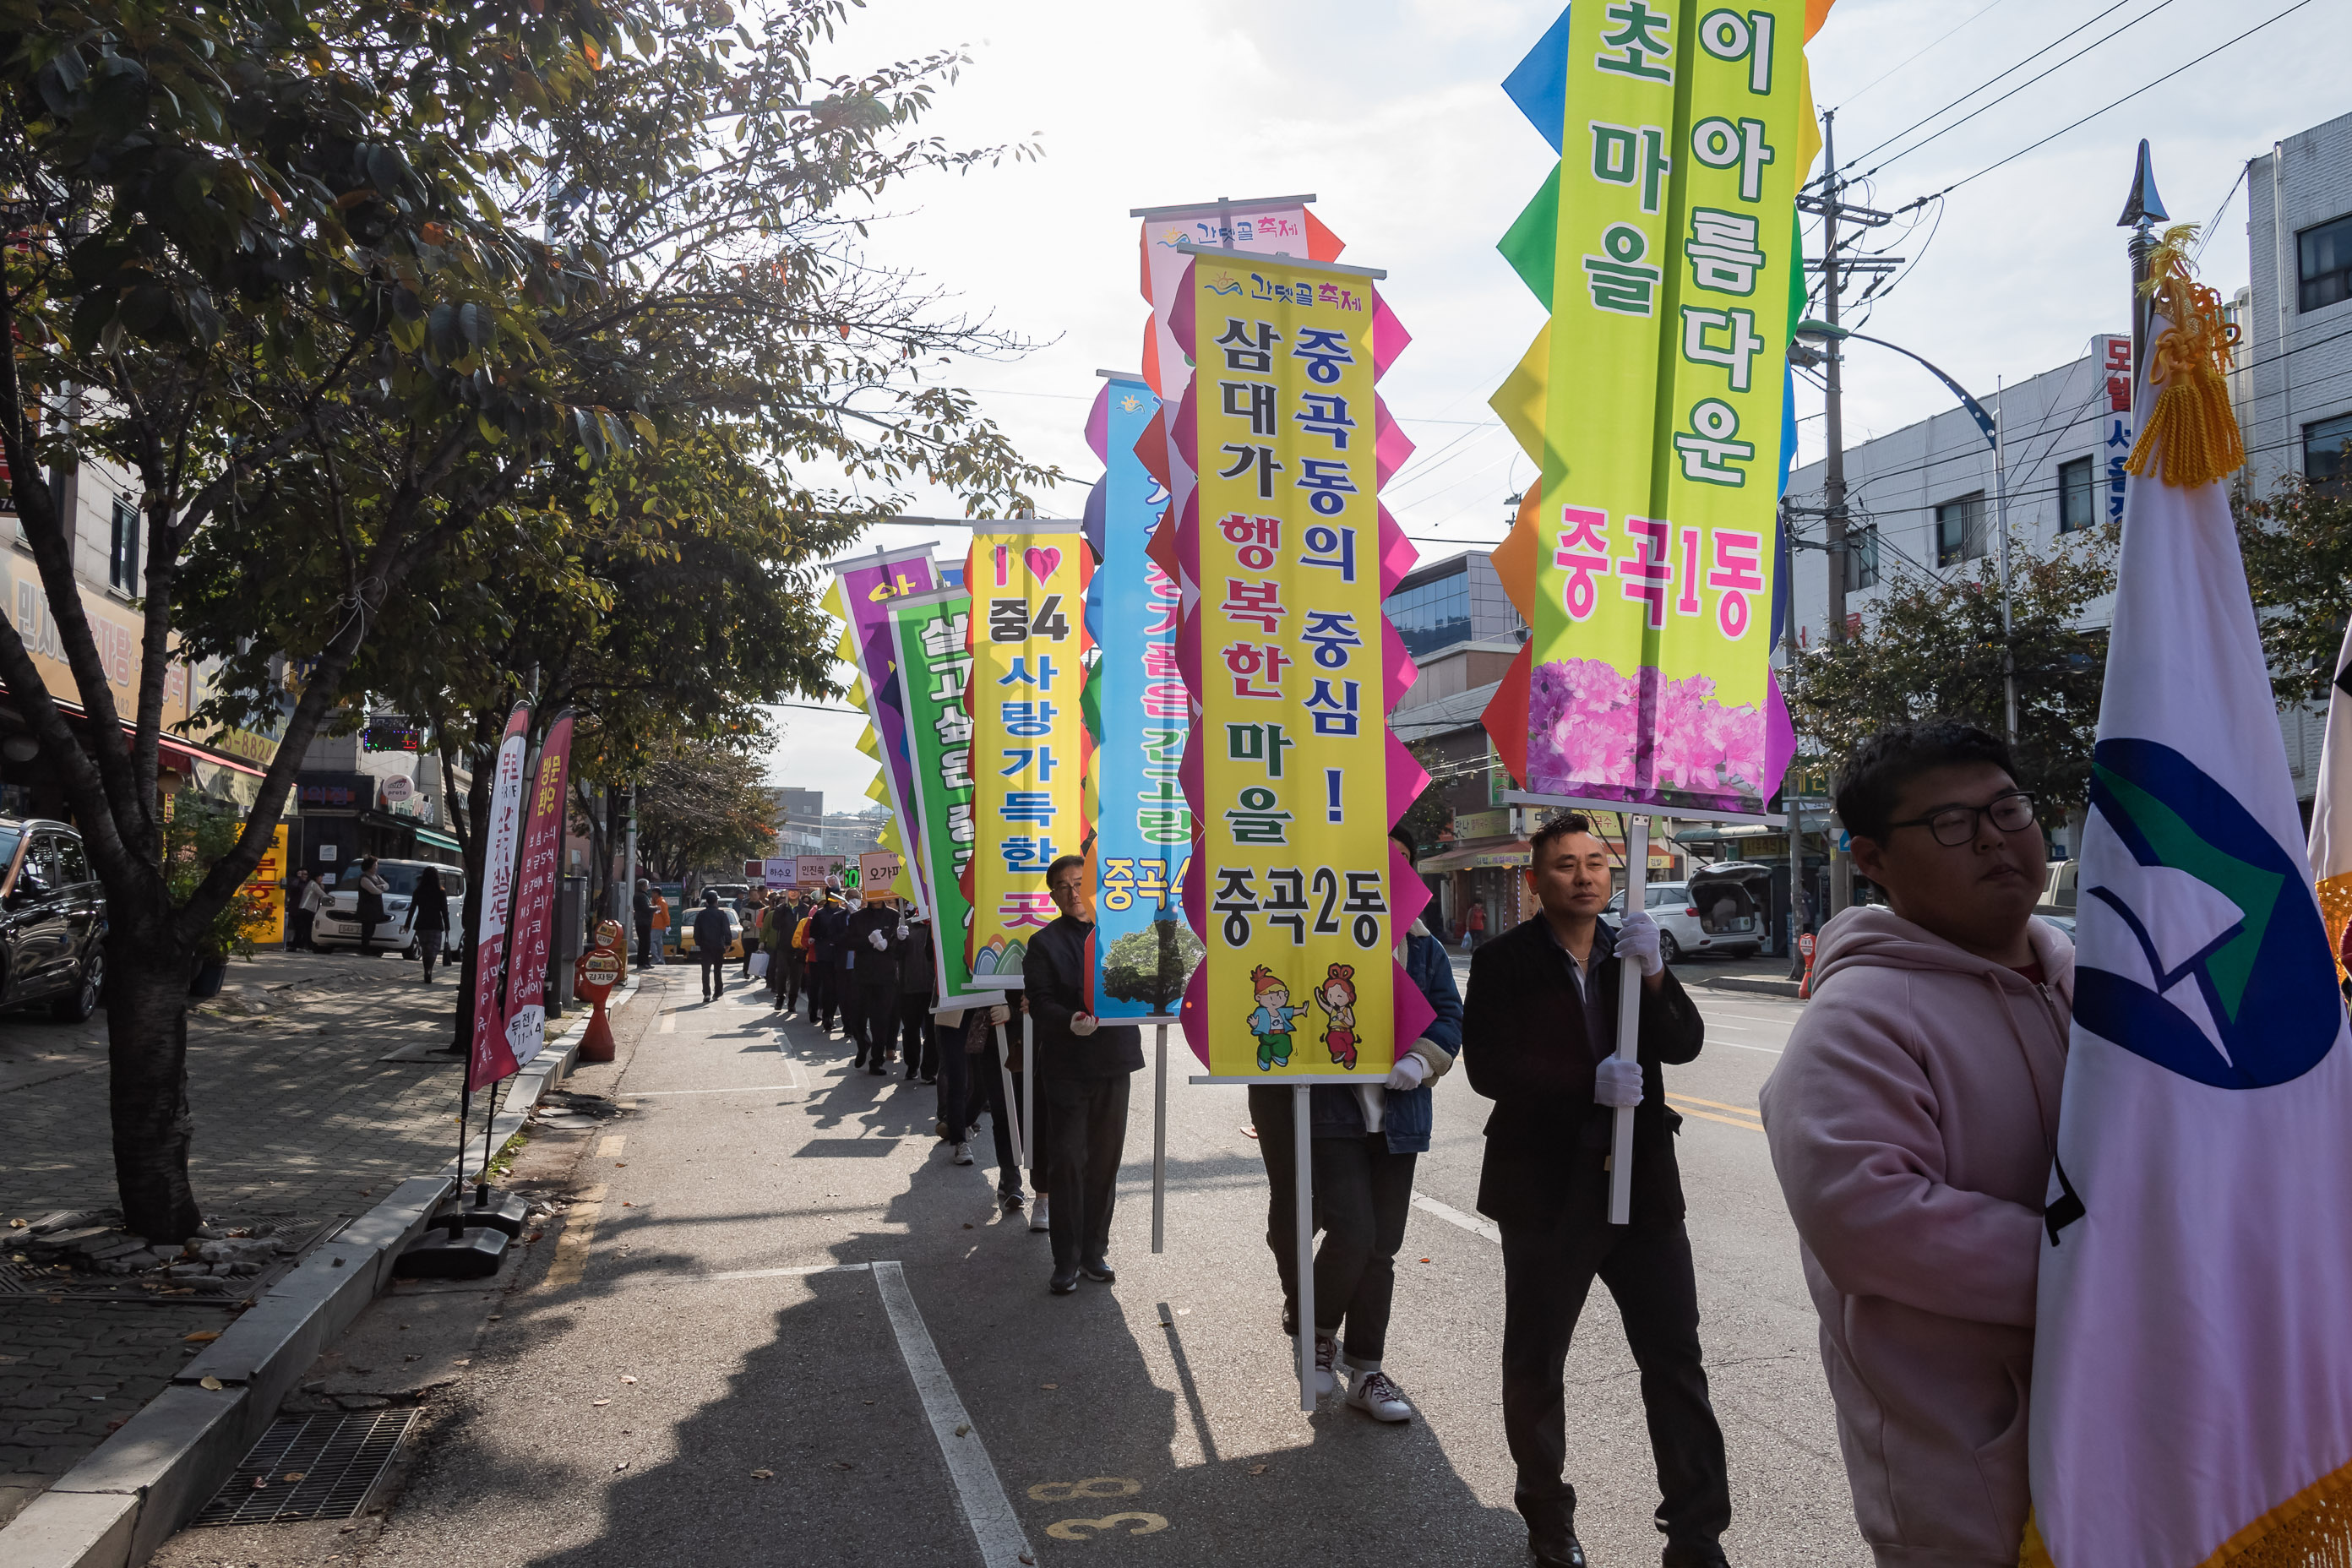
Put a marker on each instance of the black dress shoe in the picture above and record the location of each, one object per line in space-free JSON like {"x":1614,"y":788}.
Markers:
{"x":1100,"y":1273}
{"x":1569,"y":1554}
{"x":1703,"y":1556}
{"x":1063,"y":1284}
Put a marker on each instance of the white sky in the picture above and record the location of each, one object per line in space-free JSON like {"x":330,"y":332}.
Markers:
{"x":1390,"y":112}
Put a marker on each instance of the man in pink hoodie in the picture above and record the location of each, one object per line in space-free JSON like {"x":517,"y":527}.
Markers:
{"x":1913,"y":1120}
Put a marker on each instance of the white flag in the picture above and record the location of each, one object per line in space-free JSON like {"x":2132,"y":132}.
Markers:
{"x":2192,"y":1365}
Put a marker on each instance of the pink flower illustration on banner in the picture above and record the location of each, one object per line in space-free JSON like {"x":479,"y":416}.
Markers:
{"x":1593,"y":729}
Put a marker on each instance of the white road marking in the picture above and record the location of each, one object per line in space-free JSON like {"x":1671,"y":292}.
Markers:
{"x":608,"y":1147}
{"x":1453,"y":1216}
{"x":747,"y":1088}
{"x":782,"y":1273}
{"x":668,"y":1025}
{"x":995,"y":1529}
{"x":1735,"y":1045}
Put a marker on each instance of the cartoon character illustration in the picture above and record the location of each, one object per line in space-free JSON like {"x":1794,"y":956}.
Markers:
{"x":1338,"y":996}
{"x":1273,"y":1020}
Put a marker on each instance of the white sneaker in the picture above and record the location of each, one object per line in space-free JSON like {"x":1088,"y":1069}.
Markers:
{"x":963,"y":1154}
{"x":1376,"y":1396}
{"x":1326,"y":1351}
{"x":1037,"y":1214}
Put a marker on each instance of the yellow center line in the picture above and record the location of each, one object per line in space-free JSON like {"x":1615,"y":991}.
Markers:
{"x":1748,"y":1120}
{"x":579,"y":1231}
{"x":1715,"y":1104}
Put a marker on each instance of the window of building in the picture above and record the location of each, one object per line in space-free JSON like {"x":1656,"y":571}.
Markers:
{"x":2325,"y":461}
{"x":1860,"y":558}
{"x":1433,"y":615}
{"x":1959,"y":529}
{"x":122,"y":564}
{"x":2078,"y":494}
{"x":2324,"y":259}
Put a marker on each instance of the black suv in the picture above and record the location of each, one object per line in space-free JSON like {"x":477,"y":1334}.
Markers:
{"x":52,"y":921}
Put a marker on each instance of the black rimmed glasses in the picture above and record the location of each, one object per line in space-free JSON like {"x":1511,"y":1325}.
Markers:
{"x":1954,"y":826}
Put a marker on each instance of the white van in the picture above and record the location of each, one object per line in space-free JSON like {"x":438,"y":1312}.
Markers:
{"x":337,"y":924}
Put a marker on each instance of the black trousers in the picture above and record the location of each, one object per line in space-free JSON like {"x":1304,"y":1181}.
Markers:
{"x":1547,"y":1273}
{"x":1362,"y":1194}
{"x":790,"y":970}
{"x":824,"y":981}
{"x":1269,"y":1106}
{"x":874,"y":1022}
{"x":985,"y":1079}
{"x":1083,"y":1141}
{"x":714,"y":972}
{"x":645,"y":942}
{"x":918,"y":1039}
{"x":955,"y":1070}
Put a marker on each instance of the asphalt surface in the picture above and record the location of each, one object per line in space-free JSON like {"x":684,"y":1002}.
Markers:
{"x":758,"y":1331}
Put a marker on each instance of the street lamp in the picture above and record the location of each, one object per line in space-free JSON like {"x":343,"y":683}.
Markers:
{"x":1991,"y":424}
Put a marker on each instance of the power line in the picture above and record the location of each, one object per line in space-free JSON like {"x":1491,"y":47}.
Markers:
{"x":1916,"y":53}
{"x":2118,"y":103}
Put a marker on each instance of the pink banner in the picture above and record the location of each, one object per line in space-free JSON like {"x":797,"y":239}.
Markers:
{"x":534,"y":922}
{"x":499,"y":835}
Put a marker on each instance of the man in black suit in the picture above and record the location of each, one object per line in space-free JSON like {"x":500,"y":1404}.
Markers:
{"x":1539,"y":1029}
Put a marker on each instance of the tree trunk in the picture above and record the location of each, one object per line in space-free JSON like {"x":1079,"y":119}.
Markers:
{"x":147,"y":1078}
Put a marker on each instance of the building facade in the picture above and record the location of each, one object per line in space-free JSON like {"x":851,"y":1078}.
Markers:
{"x":2297,"y":384}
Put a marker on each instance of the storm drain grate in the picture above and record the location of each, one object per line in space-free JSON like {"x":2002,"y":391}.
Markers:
{"x":313,"y":1466}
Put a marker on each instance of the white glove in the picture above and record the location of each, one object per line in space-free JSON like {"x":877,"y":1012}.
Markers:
{"x":881,"y":944}
{"x":1637,"y":939}
{"x":904,"y":930}
{"x":1617,"y":1083}
{"x":1408,"y":1073}
{"x":1000,"y":1014}
{"x":1082,"y":1024}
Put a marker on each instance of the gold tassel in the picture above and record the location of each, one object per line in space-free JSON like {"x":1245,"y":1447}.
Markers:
{"x":2312,"y":1528}
{"x":2191,"y":427}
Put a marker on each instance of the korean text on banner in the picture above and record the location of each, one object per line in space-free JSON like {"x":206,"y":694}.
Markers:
{"x":1258,"y":226}
{"x":1144,"y":826}
{"x":928,"y":632}
{"x":534,"y":904}
{"x":1671,"y":293}
{"x":876,"y":869}
{"x":1028,"y":580}
{"x":1293,"y":806}
{"x":490,"y":1061}
{"x":862,"y":589}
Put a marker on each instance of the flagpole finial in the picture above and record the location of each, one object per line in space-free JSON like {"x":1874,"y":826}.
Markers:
{"x":2142,"y":207}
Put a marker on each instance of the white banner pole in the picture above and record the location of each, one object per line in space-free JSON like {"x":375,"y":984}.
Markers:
{"x":1629,"y":1022}
{"x":1302,"y":1132}
{"x":1020,"y":1129}
{"x":1029,"y":1090}
{"x":1160,"y":1139}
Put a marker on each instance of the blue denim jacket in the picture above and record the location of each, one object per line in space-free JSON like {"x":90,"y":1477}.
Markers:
{"x":1407,"y":1115}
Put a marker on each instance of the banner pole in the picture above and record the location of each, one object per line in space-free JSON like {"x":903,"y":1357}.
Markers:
{"x":464,"y":1107}
{"x":1160,"y":1139}
{"x":1629,"y":1022}
{"x":1302,"y":1133}
{"x":1012,"y":1109}
{"x":1029,"y":1092}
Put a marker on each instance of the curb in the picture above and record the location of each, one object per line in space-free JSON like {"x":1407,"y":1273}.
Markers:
{"x":1761,"y":986}
{"x":116,"y":1506}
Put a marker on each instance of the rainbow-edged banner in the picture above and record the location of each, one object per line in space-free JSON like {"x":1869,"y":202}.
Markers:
{"x":1664,"y":242}
{"x":859,"y":598}
{"x":1294,"y":890}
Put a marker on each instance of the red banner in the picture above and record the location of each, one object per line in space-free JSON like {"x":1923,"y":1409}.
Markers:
{"x":534,"y":922}
{"x":498,"y":897}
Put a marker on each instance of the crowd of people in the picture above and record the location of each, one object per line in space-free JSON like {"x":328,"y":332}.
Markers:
{"x":1912,"y":1123}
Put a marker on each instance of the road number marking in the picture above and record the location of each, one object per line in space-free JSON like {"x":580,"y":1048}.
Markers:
{"x":1094,"y":1486}
{"x":1079,"y":1529}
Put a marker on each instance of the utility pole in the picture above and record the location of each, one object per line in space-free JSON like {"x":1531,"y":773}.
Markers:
{"x":1825,"y":196}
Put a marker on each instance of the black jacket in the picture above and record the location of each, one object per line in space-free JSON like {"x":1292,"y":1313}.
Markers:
{"x":828,"y":929}
{"x":432,"y":908}
{"x":916,"y":972}
{"x":868,"y":965}
{"x":1524,"y":1046}
{"x":1053,"y":977}
{"x":712,"y":931}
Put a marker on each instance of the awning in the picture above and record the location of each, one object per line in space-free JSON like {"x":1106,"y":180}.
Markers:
{"x":1508,"y":855}
{"x":438,"y":840}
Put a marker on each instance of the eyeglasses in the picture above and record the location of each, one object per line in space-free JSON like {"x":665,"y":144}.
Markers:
{"x":1954,"y":826}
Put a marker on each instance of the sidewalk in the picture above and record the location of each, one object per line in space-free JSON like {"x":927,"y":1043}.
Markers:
{"x":298,"y":1123}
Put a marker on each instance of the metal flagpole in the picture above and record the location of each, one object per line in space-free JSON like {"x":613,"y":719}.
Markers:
{"x":1020,"y":1127}
{"x":1302,"y":1135}
{"x":1160,"y":1139}
{"x":1629,"y":1022}
{"x":1029,"y":1091}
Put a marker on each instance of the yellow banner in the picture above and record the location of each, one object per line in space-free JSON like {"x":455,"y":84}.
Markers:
{"x":1293,"y":794}
{"x":1027,"y":578}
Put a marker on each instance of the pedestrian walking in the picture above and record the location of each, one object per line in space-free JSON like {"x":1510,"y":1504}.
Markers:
{"x":307,"y":898}
{"x":918,"y":1037}
{"x":977,"y":1084}
{"x":776,"y":923}
{"x":1083,"y":1067}
{"x":371,"y":889}
{"x":660,"y":948}
{"x":795,"y":981}
{"x":429,"y":919}
{"x":751,"y":911}
{"x":642,"y":908}
{"x":1367,"y":1142}
{"x":1539,"y":1030}
{"x":870,"y":959}
{"x":712,"y":932}
{"x":1913,"y":1119}
{"x":828,"y":936}
{"x":1473,"y":926}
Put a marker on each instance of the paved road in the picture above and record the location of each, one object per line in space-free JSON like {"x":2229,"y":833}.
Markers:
{"x":786,"y":1275}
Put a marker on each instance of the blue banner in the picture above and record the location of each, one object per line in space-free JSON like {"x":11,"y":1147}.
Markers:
{"x":1144,"y":952}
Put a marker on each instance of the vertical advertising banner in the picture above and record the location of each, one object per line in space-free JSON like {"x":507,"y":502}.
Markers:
{"x":930,"y":633}
{"x":1671,"y":274}
{"x":1143,"y":825}
{"x":1027,"y":577}
{"x":862,"y":589}
{"x":534,"y":907}
{"x":1292,"y":808}
{"x":488,"y":1060}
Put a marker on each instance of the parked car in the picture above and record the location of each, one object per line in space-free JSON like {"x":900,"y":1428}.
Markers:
{"x":52,"y":921}
{"x":2059,"y":887}
{"x":682,"y":927}
{"x":337,"y":924}
{"x":1709,"y":914}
